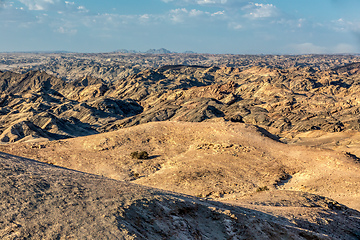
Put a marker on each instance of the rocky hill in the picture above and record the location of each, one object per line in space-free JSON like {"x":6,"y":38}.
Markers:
{"x":285,"y":102}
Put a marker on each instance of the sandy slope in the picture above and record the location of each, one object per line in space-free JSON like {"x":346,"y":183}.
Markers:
{"x":217,"y":160}
{"x":40,"y":201}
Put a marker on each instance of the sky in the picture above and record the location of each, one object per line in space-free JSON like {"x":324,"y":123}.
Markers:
{"x":203,"y":26}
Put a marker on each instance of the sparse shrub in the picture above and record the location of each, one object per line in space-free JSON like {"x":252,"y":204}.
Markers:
{"x":134,"y":155}
{"x":261,"y":189}
{"x":143,"y":155}
{"x":140,"y":155}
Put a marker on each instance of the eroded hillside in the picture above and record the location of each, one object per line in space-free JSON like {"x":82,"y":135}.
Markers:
{"x":285,"y":102}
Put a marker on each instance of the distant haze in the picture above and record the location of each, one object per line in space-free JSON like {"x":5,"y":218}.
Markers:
{"x":204,"y":26}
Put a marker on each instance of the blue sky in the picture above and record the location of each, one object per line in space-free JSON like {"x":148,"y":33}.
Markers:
{"x":205,"y":26}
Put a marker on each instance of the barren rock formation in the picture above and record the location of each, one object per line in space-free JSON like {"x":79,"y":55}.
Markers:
{"x":283,"y":101}
{"x":37,"y":105}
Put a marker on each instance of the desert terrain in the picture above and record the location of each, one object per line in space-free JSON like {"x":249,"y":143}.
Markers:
{"x":240,"y":147}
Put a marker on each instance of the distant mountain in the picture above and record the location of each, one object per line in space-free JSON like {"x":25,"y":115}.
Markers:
{"x":126,"y":51}
{"x":150,"y":51}
{"x":189,"y":52}
{"x":158,"y":51}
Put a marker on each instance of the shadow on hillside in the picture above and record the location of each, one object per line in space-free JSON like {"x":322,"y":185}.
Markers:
{"x":341,"y":223}
{"x":268,"y":134}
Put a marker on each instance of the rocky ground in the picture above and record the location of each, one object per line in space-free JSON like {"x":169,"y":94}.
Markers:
{"x":261,"y":151}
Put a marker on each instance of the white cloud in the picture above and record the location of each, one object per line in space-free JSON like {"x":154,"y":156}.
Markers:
{"x":113,"y":22}
{"x":39,"y":5}
{"x":301,"y":22}
{"x":259,"y":10}
{"x":82,"y":9}
{"x":206,"y":2}
{"x":180,"y":15}
{"x":60,"y":6}
{"x":293,"y":25}
{"x":66,"y":16}
{"x":4,"y":5}
{"x":235,"y":26}
{"x":13,"y":16}
{"x":195,"y":13}
{"x":65,"y":30}
{"x":219,"y":13}
{"x":192,"y":1}
{"x":145,"y":17}
{"x":211,"y":1}
{"x":342,"y":25}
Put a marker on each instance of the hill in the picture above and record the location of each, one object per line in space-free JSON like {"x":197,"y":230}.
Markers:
{"x":224,"y":161}
{"x":40,"y":201}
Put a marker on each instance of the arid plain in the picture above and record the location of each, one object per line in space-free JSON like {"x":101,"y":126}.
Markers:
{"x":240,"y":147}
